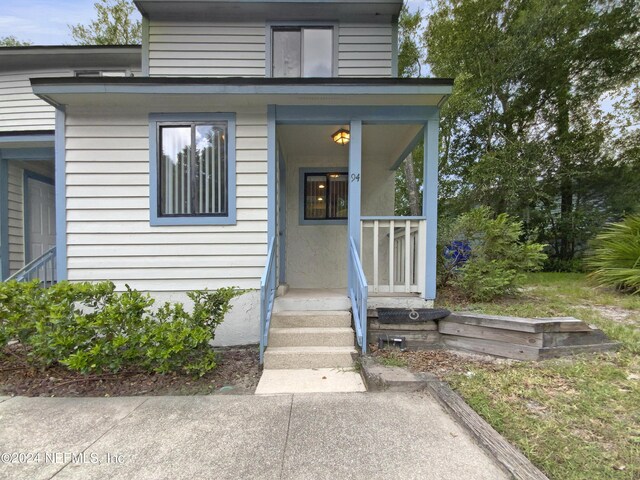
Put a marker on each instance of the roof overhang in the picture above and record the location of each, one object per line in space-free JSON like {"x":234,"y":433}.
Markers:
{"x":142,"y":90}
{"x":55,"y":56}
{"x":27,"y":139}
{"x":271,"y":10}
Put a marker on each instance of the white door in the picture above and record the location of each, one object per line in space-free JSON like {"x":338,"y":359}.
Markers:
{"x":41,"y":217}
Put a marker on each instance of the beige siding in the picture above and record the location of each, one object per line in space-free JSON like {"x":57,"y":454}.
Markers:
{"x":365,"y":50}
{"x":108,"y":232}
{"x":20,"y":109}
{"x":211,"y":50}
{"x":16,"y":219}
{"x":220,"y":50}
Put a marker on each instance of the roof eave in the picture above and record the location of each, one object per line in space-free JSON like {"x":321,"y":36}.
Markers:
{"x":48,"y":88}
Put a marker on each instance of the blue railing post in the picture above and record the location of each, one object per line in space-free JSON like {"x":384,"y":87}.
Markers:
{"x":358,"y":293}
{"x":267,"y":296}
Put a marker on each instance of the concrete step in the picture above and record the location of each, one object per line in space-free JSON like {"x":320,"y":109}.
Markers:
{"x":311,"y":337}
{"x":311,"y":299}
{"x":310,"y":380}
{"x":308,"y":357}
{"x":311,"y":318}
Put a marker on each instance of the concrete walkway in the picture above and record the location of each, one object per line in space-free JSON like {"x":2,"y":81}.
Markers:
{"x":308,"y":436}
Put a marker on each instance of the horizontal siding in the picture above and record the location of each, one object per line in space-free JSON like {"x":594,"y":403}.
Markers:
{"x":207,"y":50}
{"x":16,"y":219}
{"x":218,"y":50}
{"x":365,"y":50}
{"x":20,"y":109}
{"x":108,"y":232}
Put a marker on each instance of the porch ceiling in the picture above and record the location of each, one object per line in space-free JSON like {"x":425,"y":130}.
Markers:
{"x":378,"y":141}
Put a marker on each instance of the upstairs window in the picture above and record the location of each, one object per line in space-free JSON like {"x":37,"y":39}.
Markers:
{"x":100,"y":73}
{"x":302,"y":52}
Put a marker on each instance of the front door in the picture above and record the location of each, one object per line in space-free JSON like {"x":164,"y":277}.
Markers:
{"x":40,"y":215}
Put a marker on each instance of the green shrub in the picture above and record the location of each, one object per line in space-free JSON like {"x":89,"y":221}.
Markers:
{"x":495,"y":259}
{"x":91,"y":328}
{"x":615,"y":255}
{"x":575,"y":265}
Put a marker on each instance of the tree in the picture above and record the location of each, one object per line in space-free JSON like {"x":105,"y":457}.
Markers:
{"x":114,"y":25}
{"x":409,"y":178}
{"x":12,"y":41}
{"x":524,"y":131}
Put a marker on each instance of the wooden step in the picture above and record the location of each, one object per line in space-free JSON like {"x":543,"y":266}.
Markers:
{"x":520,"y":324}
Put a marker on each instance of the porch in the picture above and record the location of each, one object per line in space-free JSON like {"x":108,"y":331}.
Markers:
{"x":27,"y":206}
{"x":335,"y":242}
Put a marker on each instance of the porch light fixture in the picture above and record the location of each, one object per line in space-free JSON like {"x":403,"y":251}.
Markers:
{"x":341,"y":137}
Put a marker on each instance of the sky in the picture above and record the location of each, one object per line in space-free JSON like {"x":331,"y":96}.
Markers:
{"x":43,"y":22}
{"x":46,"y":22}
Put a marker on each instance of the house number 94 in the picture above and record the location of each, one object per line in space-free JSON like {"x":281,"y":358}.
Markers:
{"x":355,"y":177}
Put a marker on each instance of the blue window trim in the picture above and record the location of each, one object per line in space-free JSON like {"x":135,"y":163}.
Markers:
{"x":157,"y":118}
{"x":269,"y":42}
{"x":26,"y":176}
{"x":302,"y":172}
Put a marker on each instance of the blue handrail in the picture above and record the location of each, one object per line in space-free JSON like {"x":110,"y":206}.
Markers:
{"x":358,"y":292}
{"x":43,"y":268}
{"x":268,"y":288}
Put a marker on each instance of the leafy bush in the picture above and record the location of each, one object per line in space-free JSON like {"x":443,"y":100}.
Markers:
{"x":490,"y":259}
{"x":615,"y":255}
{"x":575,"y":265}
{"x":91,"y":328}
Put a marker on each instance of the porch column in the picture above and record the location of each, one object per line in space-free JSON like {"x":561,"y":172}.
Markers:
{"x":430,"y":204}
{"x":61,"y":195}
{"x":355,"y":185}
{"x":4,"y":217}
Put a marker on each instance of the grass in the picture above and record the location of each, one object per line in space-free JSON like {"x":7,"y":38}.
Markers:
{"x":577,"y":418}
{"x":392,"y":360}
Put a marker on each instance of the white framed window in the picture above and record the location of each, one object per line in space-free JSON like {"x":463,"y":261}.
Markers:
{"x":302,"y":51}
{"x":192,"y":169}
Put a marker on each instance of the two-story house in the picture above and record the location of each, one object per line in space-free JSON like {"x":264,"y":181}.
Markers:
{"x":27,"y":137}
{"x":258,"y":148}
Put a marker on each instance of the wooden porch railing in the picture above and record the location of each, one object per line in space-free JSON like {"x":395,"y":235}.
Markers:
{"x":393,"y":253}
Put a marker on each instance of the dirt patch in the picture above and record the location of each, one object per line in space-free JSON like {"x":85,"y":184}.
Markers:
{"x":438,"y":362}
{"x":618,"y":315}
{"x":238,"y":372}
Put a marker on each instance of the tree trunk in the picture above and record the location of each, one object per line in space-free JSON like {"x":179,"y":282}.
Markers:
{"x":564,"y":170}
{"x":412,"y":186}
